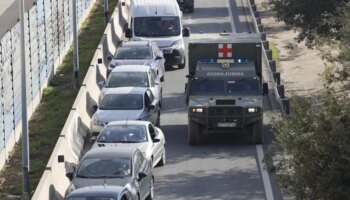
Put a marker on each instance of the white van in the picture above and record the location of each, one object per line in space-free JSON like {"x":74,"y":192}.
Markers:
{"x":160,"y":21}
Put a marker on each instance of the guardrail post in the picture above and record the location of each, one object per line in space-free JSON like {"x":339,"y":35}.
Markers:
{"x":269,"y":54}
{"x":272,"y":64}
{"x":263,"y":36}
{"x":258,"y":20}
{"x":252,"y":2}
{"x":285,"y":104}
{"x":280,"y":89}
{"x":277,"y":77}
{"x":253,"y":7}
{"x":256,"y":15}
{"x":266,"y":44}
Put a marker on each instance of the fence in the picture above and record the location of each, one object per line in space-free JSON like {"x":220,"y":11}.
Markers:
{"x":47,"y":39}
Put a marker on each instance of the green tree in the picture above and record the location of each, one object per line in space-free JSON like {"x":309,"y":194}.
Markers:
{"x":316,"y":138}
{"x":312,"y":18}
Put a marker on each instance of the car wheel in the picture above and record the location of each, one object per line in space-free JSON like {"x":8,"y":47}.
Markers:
{"x":151,"y":192}
{"x":163,"y":159}
{"x":182,"y":65}
{"x":158,"y":120}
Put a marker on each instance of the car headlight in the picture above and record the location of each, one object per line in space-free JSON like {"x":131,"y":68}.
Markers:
{"x":98,"y":122}
{"x":176,"y":44}
{"x":197,"y":110}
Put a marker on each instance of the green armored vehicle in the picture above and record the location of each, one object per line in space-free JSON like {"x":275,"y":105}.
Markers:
{"x":224,"y":92}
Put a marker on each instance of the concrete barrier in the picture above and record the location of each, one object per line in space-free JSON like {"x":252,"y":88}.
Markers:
{"x":68,"y":149}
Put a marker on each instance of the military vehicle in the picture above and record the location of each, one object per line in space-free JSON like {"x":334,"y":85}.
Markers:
{"x":225,"y":91}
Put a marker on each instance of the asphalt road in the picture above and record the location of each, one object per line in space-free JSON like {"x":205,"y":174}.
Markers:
{"x":227,"y":166}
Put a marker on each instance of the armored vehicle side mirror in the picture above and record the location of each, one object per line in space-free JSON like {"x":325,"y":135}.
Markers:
{"x":128,"y":33}
{"x":265,"y":88}
{"x":158,"y":57}
{"x":186,"y":32}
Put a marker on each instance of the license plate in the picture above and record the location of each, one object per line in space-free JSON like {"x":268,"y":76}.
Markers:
{"x":221,"y":124}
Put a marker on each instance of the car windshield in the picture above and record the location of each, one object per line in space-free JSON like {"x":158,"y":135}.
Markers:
{"x":104,"y":168}
{"x":121,"y":102}
{"x":244,"y":87}
{"x":123,"y":134}
{"x":133,"y":53}
{"x":126,"y":79}
{"x":157,"y":26}
{"x":205,"y":86}
{"x":92,"y":198}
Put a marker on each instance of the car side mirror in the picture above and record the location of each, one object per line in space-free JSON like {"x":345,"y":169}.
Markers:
{"x":109,"y":58}
{"x":156,"y":82}
{"x":69,"y":175}
{"x":186,"y":32}
{"x":128,"y":33}
{"x":155,"y":140}
{"x":93,"y":139}
{"x":101,"y":84}
{"x":94,"y":108}
{"x":265,"y":88}
{"x":141,"y":175}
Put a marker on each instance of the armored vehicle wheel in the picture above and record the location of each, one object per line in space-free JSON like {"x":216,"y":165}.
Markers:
{"x":257,"y":132}
{"x":193,"y":133}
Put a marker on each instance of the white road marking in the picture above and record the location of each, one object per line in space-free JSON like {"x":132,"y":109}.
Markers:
{"x":264,"y":174}
{"x":233,"y":27}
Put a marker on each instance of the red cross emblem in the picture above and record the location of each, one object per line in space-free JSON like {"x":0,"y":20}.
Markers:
{"x":225,"y":50}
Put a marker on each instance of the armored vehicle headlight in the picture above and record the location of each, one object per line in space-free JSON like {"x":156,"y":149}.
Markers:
{"x":197,"y":110}
{"x":252,"y":110}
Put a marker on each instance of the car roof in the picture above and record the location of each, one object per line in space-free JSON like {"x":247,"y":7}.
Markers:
{"x":128,"y":122}
{"x":141,"y":43}
{"x":111,"y":152}
{"x":131,"y":68}
{"x":110,"y":190}
{"x":125,"y":90}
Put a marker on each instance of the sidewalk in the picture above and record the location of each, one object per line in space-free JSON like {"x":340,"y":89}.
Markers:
{"x":300,"y":67}
{"x":9,"y":13}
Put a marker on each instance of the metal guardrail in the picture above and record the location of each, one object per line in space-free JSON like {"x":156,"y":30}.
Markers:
{"x":274,"y":76}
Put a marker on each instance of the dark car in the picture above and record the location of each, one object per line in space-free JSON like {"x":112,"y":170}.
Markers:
{"x":186,"y":4}
{"x":104,"y":192}
{"x":118,"y":166}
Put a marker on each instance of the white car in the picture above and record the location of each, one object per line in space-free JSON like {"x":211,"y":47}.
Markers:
{"x":133,"y":76}
{"x":133,"y":133}
{"x":138,"y":53}
{"x":125,"y":103}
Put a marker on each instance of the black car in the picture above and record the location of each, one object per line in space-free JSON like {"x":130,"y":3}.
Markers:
{"x":118,"y":166}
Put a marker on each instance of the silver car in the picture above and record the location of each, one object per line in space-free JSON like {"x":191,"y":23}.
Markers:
{"x":133,"y":133}
{"x":114,"y":166}
{"x":138,"y":53}
{"x":104,"y":192}
{"x":125,"y":103}
{"x":135,"y":76}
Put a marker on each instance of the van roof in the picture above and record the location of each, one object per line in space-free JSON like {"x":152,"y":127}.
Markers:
{"x":142,"y":8}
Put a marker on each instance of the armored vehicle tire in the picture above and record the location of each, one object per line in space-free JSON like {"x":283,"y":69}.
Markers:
{"x":257,"y":132}
{"x":193,"y":133}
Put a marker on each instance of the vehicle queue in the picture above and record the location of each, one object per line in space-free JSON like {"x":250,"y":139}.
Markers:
{"x":125,"y":127}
